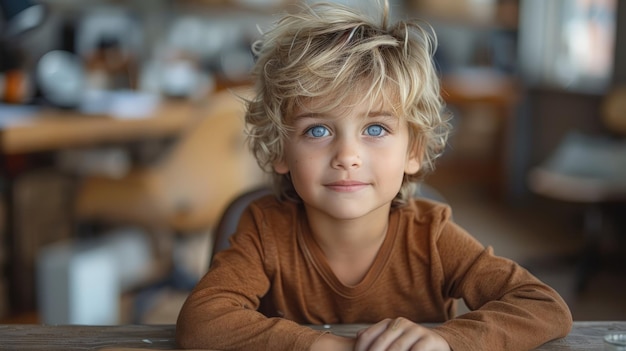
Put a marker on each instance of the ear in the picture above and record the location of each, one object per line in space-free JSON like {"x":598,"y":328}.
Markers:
{"x":412,"y":165}
{"x":280,"y":167}
{"x":414,"y":160}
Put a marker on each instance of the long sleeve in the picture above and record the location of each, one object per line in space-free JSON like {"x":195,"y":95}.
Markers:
{"x":425,"y":263}
{"x":221,"y":312}
{"x":511,"y":309}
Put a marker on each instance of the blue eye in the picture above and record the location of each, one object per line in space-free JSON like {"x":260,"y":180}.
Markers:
{"x":317,"y":132}
{"x":375,"y":130}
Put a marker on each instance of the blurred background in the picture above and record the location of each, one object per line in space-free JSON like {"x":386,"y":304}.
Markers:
{"x":121,"y":145}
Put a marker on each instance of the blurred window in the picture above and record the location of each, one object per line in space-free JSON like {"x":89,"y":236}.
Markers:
{"x":568,"y":43}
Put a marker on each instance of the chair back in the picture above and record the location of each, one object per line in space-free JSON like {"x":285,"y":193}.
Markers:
{"x":229,"y":220}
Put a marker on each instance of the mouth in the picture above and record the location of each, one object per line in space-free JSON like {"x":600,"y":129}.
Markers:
{"x":346,"y":186}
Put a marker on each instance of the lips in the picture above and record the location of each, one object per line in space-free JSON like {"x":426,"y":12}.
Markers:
{"x":346,"y":186}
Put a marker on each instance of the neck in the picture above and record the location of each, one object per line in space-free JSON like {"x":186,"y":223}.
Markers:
{"x":349,"y":237}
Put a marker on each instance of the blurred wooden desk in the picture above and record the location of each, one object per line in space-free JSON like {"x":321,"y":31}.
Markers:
{"x":584,"y":336}
{"x":52,"y":129}
{"x":34,"y":132}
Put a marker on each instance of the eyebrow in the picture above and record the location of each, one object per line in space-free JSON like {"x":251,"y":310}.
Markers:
{"x":370,"y":114}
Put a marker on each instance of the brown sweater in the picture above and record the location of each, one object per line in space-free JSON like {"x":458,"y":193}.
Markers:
{"x":426,"y":262}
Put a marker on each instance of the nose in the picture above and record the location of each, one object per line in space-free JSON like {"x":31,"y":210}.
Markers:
{"x":346,"y":154}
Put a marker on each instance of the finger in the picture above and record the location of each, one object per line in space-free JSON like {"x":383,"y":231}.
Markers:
{"x":424,"y":344}
{"x":408,"y":341}
{"x":392,"y":334}
{"x":430,"y":342}
{"x":365,"y":337}
{"x":394,"y":324}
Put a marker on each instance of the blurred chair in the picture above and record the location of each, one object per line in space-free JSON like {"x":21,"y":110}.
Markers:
{"x":589,"y":171}
{"x":229,"y":219}
{"x":186,"y":190}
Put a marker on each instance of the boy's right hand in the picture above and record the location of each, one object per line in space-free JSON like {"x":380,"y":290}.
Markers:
{"x":399,"y":334}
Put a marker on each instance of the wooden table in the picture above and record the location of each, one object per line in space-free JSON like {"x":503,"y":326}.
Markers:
{"x":584,"y":336}
{"x":55,"y":129}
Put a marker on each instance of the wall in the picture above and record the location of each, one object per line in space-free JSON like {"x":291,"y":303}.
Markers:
{"x":619,"y":75}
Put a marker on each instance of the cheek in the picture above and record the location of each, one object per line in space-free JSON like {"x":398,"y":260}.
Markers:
{"x":394,"y":157}
{"x":303,"y":166}
{"x":289,"y":162}
{"x":284,"y":165}
{"x":303,"y":177}
{"x":396,"y":171}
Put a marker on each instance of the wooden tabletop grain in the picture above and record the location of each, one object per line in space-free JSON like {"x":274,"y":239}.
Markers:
{"x":584,"y":336}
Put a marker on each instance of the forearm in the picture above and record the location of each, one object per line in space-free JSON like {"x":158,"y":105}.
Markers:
{"x":240,"y":329}
{"x":511,"y":309}
{"x":521,"y":320}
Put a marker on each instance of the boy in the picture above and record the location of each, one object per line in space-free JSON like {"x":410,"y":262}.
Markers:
{"x":347,"y":117}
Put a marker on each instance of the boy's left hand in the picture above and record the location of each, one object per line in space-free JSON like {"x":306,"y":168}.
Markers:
{"x":399,"y":334}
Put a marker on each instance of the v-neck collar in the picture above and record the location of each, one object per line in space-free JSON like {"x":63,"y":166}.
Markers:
{"x":315,"y":256}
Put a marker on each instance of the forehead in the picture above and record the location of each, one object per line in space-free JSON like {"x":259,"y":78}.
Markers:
{"x":340,"y":106}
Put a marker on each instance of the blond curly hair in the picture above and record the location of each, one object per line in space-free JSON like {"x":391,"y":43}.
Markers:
{"x":328,"y":50}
